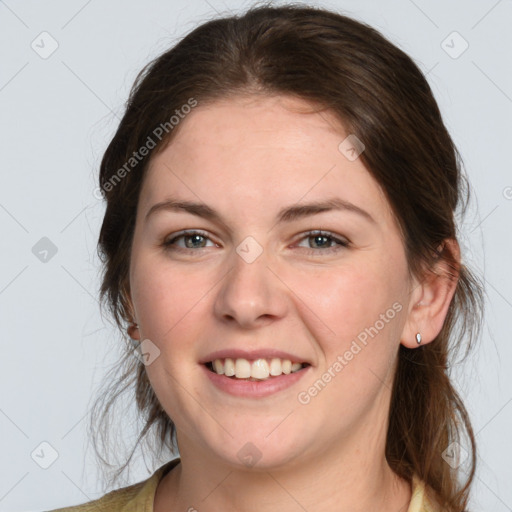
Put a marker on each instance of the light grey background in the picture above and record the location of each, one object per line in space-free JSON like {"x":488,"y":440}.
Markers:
{"x":57,"y":116}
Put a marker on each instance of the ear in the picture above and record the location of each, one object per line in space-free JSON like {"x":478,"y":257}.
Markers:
{"x":133,"y":329}
{"x":431,"y":297}
{"x":133,"y":332}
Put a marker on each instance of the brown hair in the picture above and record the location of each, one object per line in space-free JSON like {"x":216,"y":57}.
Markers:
{"x":379,"y":94}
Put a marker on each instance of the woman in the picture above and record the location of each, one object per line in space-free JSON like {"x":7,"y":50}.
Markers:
{"x":279,"y":242}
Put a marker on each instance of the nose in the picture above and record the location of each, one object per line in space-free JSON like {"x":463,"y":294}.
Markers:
{"x":251,"y":294}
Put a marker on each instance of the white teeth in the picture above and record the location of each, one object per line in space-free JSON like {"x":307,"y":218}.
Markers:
{"x":259,"y":369}
{"x":229,"y":367}
{"x":275,"y":367}
{"x":218,"y":367}
{"x":242,"y":369}
{"x":296,"y":366}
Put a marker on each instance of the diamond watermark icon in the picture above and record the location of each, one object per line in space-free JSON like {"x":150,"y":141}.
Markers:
{"x":249,"y":454}
{"x":147,"y":352}
{"x":454,"y":45}
{"x":44,"y":250}
{"x":44,"y":45}
{"x":44,"y":455}
{"x":351,"y":147}
{"x":455,"y":455}
{"x":249,"y":249}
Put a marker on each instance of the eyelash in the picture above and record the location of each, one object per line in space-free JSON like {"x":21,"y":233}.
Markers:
{"x":169,"y":244}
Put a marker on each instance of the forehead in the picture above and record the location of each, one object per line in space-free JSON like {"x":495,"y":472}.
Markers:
{"x":263,"y":150}
{"x":252,"y":123}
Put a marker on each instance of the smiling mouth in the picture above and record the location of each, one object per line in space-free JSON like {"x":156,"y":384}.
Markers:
{"x":254,"y":370}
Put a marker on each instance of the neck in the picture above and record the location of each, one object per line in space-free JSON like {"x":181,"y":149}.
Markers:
{"x":355,"y":479}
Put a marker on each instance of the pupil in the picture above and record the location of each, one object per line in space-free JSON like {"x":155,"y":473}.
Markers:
{"x":194,"y":237}
{"x":317,"y":237}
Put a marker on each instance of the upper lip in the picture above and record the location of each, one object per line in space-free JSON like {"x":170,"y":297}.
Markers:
{"x":262,"y":353}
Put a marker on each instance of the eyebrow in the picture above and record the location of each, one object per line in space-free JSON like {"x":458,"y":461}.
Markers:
{"x":287,"y":214}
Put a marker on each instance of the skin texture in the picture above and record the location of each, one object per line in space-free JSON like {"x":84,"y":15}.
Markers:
{"x":248,"y":157}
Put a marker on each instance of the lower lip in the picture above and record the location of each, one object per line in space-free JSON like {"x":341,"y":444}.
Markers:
{"x":254,"y":389}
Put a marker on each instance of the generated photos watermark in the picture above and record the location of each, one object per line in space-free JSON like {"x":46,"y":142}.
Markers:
{"x":151,"y":142}
{"x":356,"y":346}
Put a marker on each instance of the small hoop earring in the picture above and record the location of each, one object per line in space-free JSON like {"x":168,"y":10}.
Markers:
{"x":418,"y":338}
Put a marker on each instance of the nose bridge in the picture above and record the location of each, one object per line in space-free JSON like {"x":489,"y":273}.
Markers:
{"x":250,"y":292}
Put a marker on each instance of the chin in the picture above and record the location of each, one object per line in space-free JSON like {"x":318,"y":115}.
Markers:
{"x":256,"y":447}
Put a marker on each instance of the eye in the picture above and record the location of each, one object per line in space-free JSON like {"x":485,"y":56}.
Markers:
{"x":193,"y":240}
{"x":324,"y":240}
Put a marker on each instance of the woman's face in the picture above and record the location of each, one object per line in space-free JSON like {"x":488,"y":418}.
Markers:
{"x":254,"y":284}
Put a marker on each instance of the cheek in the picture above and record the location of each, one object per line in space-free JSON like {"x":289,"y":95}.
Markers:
{"x":362,"y":315}
{"x":353,"y":299}
{"x":170,"y":305}
{"x":162,"y":294}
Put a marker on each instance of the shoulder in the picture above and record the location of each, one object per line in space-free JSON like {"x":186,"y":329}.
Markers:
{"x":421,"y":501}
{"x":113,"y":501}
{"x":137,"y":496}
